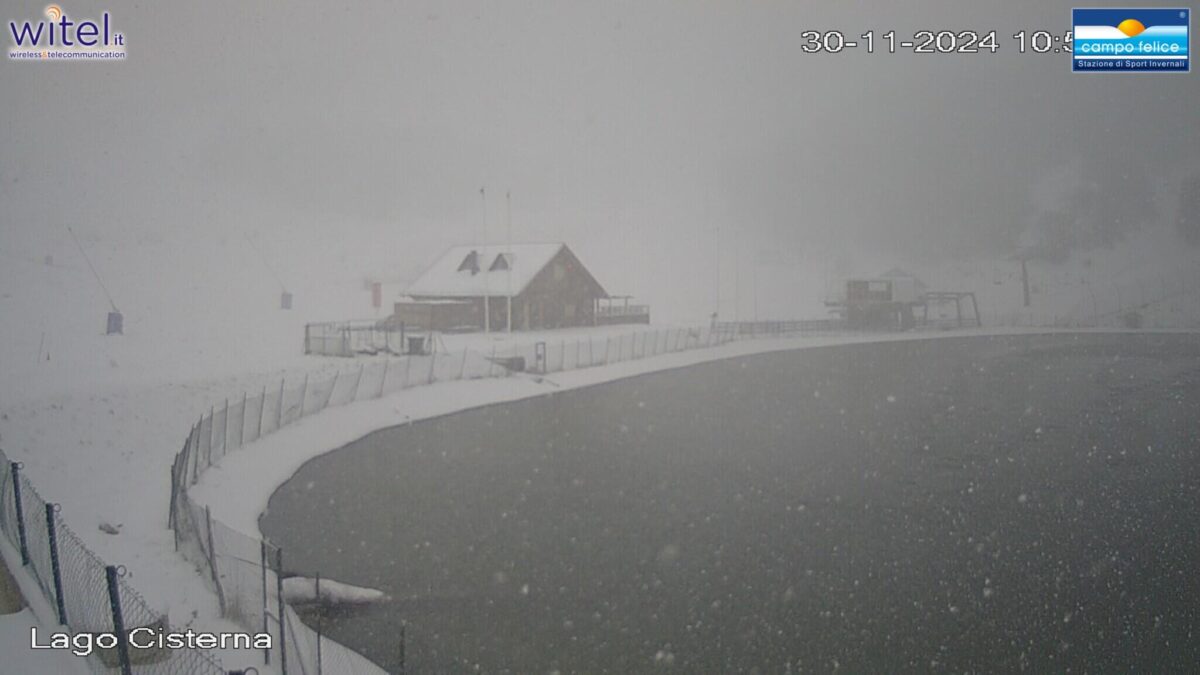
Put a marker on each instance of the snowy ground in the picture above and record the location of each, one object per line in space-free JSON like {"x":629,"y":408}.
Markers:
{"x":98,"y":419}
{"x":105,"y":456}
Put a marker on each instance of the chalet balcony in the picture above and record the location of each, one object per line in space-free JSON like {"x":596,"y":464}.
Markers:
{"x":617,"y":310}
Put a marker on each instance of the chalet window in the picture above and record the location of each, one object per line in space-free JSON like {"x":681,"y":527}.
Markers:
{"x":500,"y":264}
{"x":470,"y":263}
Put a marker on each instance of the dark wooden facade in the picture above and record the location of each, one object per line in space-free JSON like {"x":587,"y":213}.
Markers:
{"x":562,"y":293}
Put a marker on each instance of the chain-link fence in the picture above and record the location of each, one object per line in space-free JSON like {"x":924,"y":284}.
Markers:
{"x":347,"y":338}
{"x":244,"y":571}
{"x":788,"y":328}
{"x":87,"y":595}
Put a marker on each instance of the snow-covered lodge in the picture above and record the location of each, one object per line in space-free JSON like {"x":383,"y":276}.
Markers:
{"x":538,"y":285}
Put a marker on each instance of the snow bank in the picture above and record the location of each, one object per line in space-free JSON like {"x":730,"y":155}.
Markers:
{"x":303,"y":590}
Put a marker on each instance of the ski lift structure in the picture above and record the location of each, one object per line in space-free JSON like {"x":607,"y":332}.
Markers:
{"x":115,"y":323}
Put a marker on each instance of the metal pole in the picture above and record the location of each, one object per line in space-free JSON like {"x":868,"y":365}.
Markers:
{"x":55,"y":567}
{"x":319,"y":615}
{"x":358,"y":382}
{"x":262,"y":409}
{"x":332,"y":388}
{"x":114,"y":603}
{"x":262,"y":550}
{"x":279,"y":408}
{"x":242,"y":426}
{"x":303,"y":396}
{"x":282,"y":614}
{"x":225,"y":431}
{"x":196,"y":452}
{"x":212,"y":559}
{"x":21,"y":537}
{"x":212,"y":418}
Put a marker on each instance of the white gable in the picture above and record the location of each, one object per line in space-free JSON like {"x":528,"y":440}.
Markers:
{"x":454,"y":276}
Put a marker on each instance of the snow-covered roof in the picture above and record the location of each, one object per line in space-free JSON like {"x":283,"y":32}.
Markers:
{"x":457,"y":275}
{"x":898,"y":273}
{"x":408,"y":299}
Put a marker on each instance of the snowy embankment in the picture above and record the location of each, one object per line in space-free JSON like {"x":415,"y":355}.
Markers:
{"x":238,"y":488}
{"x":303,"y":590}
{"x":106,"y":455}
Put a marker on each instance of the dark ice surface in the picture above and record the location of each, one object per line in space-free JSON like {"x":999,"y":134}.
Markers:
{"x":959,"y":504}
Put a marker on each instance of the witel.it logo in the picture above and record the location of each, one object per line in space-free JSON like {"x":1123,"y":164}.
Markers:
{"x":58,"y":37}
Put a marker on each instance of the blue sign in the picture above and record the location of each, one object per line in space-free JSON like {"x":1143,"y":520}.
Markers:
{"x":1134,"y":39}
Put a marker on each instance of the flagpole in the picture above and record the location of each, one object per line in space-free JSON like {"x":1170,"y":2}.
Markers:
{"x":511,"y":256}
{"x":487,"y":310}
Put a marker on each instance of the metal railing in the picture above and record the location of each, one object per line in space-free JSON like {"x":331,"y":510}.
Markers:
{"x":87,"y":594}
{"x":244,"y":571}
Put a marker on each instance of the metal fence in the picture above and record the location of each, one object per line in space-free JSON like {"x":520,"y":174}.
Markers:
{"x":244,"y":571}
{"x":347,"y":338}
{"x":88,"y":595}
{"x":788,"y":328}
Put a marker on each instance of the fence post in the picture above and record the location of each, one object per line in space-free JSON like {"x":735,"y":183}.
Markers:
{"x":319,"y":615}
{"x":407,"y":367}
{"x":241,"y":427}
{"x":357,"y":382}
{"x":114,"y":603}
{"x":282,"y":614}
{"x":212,"y":559}
{"x":383,"y":380}
{"x":262,"y":410}
{"x":195,"y":451}
{"x":212,"y":419}
{"x":262,"y":565}
{"x":303,"y":396}
{"x":279,"y":408}
{"x":225,"y":431}
{"x":55,"y":567}
{"x":432,"y":361}
{"x":332,"y":388}
{"x":462,"y":373}
{"x":21,"y":537}
{"x":174,"y":489}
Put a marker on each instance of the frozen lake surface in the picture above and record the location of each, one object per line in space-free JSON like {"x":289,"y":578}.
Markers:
{"x":985,"y":504}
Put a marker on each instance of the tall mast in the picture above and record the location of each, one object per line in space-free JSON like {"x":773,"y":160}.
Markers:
{"x":487,"y":310}
{"x":511,"y":256}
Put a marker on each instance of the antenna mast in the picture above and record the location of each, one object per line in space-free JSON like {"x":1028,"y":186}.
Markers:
{"x":487,"y":310}
{"x":511,"y":256}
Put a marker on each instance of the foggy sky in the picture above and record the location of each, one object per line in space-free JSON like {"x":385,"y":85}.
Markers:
{"x":649,"y":134}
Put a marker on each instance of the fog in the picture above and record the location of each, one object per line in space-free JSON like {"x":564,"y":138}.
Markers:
{"x":876,"y":361}
{"x":650,"y":136}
